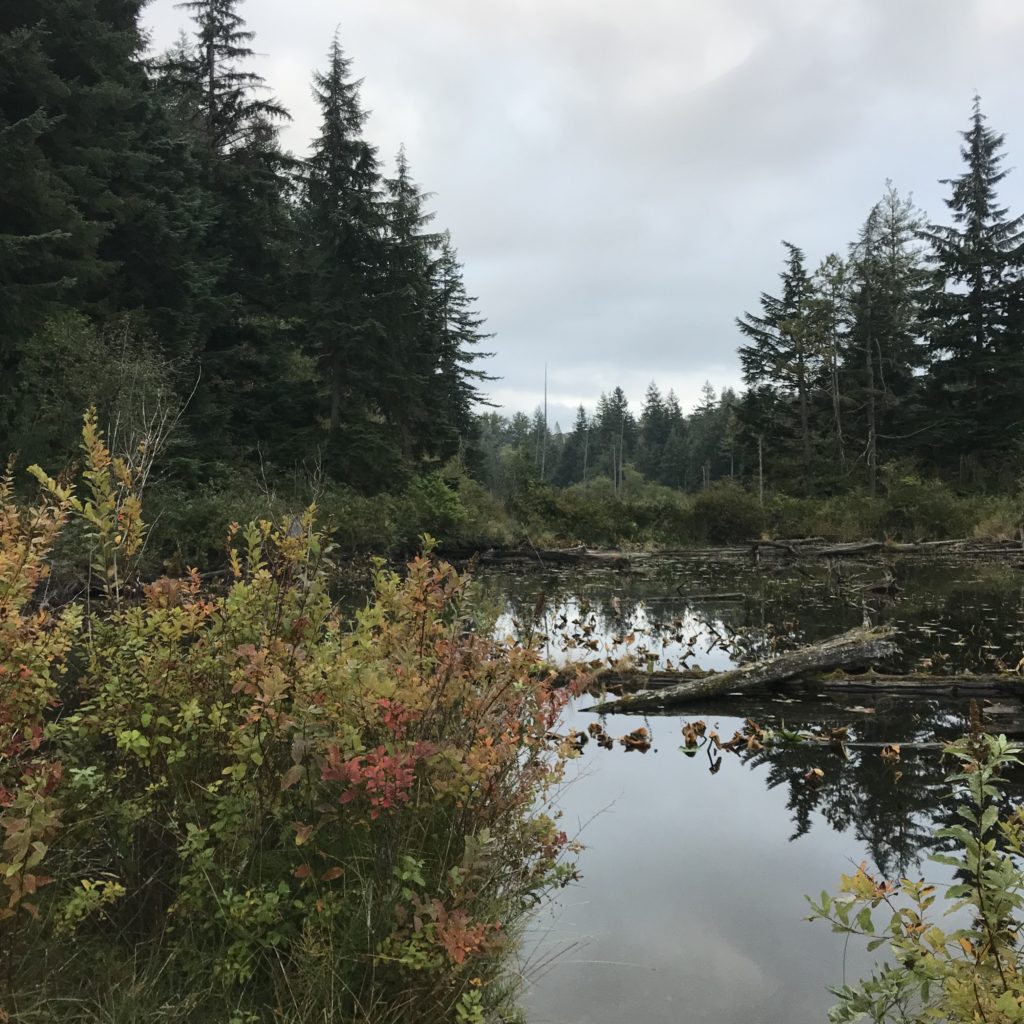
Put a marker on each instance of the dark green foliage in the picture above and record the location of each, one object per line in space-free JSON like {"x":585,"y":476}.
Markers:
{"x":975,"y":324}
{"x":306,"y":327}
{"x":781,"y":361}
{"x":725,"y":513}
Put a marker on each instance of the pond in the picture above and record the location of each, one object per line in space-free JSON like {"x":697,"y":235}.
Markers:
{"x":691,"y":903}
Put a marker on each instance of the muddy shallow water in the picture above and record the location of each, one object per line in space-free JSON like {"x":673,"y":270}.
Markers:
{"x":691,"y":906}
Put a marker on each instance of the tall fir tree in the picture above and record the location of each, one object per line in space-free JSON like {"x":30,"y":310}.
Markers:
{"x":782,"y":366}
{"x":572,"y":466}
{"x":226,"y":96}
{"x":343,"y":225}
{"x":654,"y":431}
{"x":407,"y":359}
{"x":884,"y":353}
{"x":248,"y":401}
{"x":975,"y":328}
{"x":46,"y":244}
{"x":111,"y":176}
{"x":456,"y":382}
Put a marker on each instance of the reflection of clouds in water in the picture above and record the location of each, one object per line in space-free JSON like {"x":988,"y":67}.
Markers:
{"x":572,"y":633}
{"x":689,"y":883}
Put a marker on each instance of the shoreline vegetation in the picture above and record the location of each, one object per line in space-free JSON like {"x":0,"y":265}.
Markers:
{"x":466,"y":519}
{"x":231,"y":803}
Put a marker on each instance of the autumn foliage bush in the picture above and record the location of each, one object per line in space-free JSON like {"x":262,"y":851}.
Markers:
{"x":228,"y":802}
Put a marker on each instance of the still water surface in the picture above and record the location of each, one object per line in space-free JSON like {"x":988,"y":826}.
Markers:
{"x":691,"y":904}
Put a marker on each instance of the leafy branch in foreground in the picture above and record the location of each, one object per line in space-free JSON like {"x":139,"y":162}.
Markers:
{"x":970,"y":973}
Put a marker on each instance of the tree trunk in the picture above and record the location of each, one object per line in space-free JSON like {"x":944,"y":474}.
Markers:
{"x":760,"y":469}
{"x":837,"y":405}
{"x":805,"y":432}
{"x":857,"y":648}
{"x":864,"y":684}
{"x":872,"y":450}
{"x":335,"y":393}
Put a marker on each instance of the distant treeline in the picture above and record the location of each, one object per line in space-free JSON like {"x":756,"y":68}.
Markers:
{"x":903,"y":354}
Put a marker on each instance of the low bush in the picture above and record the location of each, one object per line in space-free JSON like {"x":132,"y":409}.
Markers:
{"x":918,"y":509}
{"x":997,"y":518}
{"x":231,"y":805}
{"x":725,"y":513}
{"x":960,"y":975}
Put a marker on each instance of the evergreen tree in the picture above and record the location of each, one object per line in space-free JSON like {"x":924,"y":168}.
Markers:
{"x":884,"y":355}
{"x":781,"y":361}
{"x":249,"y":403}
{"x":572,"y":467}
{"x":654,"y":431}
{"x":344,"y":257}
{"x":975,"y":329}
{"x":408,"y":358}
{"x":456,"y":332}
{"x":615,"y":430}
{"x":46,"y":245}
{"x":96,"y":158}
{"x":673,"y":467}
{"x":830,"y":316}
{"x":223,"y":93}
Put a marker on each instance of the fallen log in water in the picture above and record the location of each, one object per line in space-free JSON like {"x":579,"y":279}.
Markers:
{"x":909,"y":684}
{"x":854,"y":649}
{"x":579,"y":555}
{"x":800,"y":548}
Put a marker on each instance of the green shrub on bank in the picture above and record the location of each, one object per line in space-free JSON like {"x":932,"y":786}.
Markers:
{"x":919,"y":509}
{"x":725,"y":513}
{"x":227,"y":805}
{"x":964,"y":975}
{"x":463,"y":515}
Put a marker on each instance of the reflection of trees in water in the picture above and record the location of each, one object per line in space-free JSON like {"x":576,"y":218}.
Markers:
{"x":892,"y":808}
{"x":962,"y":616}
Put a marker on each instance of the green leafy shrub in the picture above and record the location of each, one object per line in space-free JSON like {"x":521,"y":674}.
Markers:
{"x":919,"y":509}
{"x":229,"y":804}
{"x":592,"y":513}
{"x":996,"y":518}
{"x":725,"y":513}
{"x":960,"y":975}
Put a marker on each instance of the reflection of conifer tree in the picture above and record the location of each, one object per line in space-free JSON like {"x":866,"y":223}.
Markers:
{"x":894,"y":815}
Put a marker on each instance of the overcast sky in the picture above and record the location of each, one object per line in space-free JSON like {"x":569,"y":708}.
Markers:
{"x":617,"y":174}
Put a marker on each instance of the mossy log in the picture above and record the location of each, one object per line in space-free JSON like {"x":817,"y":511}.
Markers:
{"x":565,"y":556}
{"x":854,"y":649}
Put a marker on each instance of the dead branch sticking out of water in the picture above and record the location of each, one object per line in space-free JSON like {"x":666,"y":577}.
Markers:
{"x":854,"y":649}
{"x":913,"y":684}
{"x":802,"y":548}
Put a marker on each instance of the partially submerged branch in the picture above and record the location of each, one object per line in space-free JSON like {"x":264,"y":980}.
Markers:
{"x":854,"y":649}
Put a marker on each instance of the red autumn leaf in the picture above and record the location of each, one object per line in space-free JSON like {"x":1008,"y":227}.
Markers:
{"x":303,"y":871}
{"x":331,"y":874}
